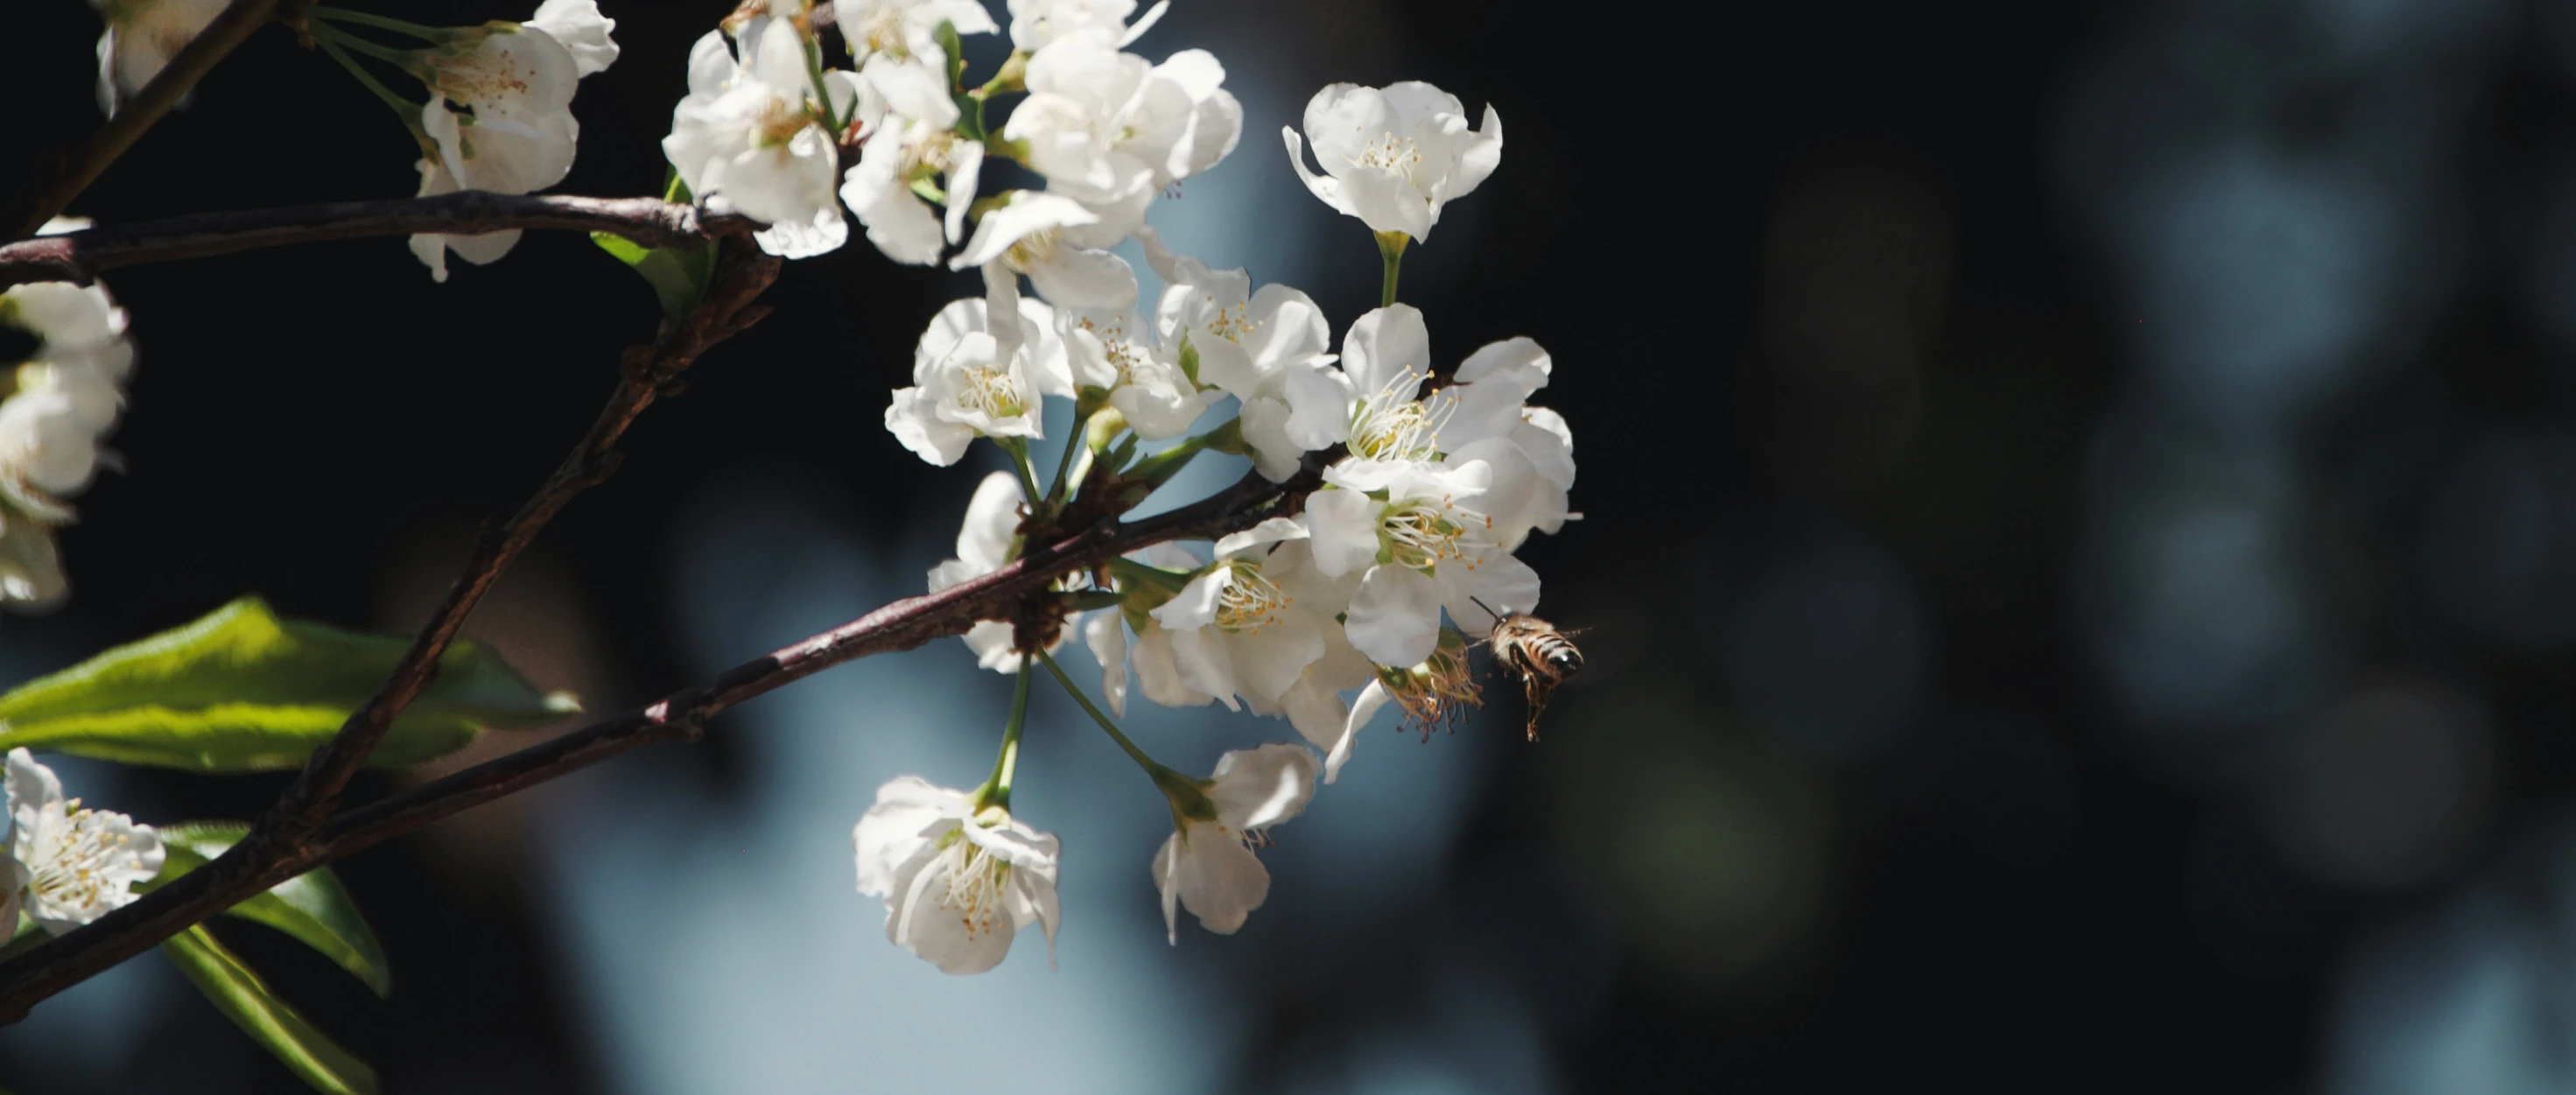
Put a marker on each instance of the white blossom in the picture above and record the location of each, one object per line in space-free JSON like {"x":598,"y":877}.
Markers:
{"x":748,"y":138}
{"x":73,"y":864}
{"x":879,"y":188}
{"x":906,"y":30}
{"x":1107,"y":639}
{"x":582,"y":29}
{"x":1059,"y":243}
{"x":63,"y":401}
{"x":1207,"y":864}
{"x":516,"y":135}
{"x":1483,"y":415}
{"x":141,"y":37}
{"x":974,"y":378}
{"x":1105,"y":127}
{"x":1240,"y":627}
{"x":1034,"y":23}
{"x":958,"y":884}
{"x":435,"y":179}
{"x":1420,"y":548}
{"x":1266,"y":348}
{"x":1392,"y":156}
{"x":1115,"y":350}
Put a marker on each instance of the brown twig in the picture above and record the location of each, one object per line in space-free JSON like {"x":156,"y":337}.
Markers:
{"x":283,"y":844}
{"x":63,"y":178}
{"x":245,"y":872}
{"x":647,"y":370}
{"x":81,"y":256}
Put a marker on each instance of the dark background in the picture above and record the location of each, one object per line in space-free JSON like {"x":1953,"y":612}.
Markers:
{"x":2051,"y":626}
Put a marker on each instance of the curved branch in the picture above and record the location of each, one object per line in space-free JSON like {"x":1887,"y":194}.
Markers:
{"x":285,"y":843}
{"x":248,"y":871}
{"x":82,"y":256}
{"x":902,"y":625}
{"x":61,"y":180}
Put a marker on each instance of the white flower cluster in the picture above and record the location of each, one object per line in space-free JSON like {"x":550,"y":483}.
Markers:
{"x":67,"y":865}
{"x":1400,"y":558}
{"x":58,"y":404}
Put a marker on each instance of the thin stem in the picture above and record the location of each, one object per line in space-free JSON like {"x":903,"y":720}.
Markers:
{"x":1153,"y":769}
{"x":997,"y":789}
{"x":822,"y":91}
{"x":80,"y":256}
{"x":408,"y":111}
{"x":1390,"y":249}
{"x":1064,"y":464}
{"x":1018,"y":447}
{"x":388,"y":54}
{"x":383,"y":22}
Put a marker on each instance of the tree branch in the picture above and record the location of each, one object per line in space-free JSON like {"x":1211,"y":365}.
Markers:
{"x":82,"y":256}
{"x":283,"y":844}
{"x":55,"y":184}
{"x":648,"y":370}
{"x":903,"y":625}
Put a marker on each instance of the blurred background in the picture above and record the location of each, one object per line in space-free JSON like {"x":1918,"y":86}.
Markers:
{"x":2079,"y":562}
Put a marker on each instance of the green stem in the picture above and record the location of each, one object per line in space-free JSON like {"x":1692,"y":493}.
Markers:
{"x":1390,"y":247}
{"x":997,"y":790}
{"x":404,"y":109}
{"x":1064,"y":464}
{"x":822,"y":91}
{"x":1159,"y":468}
{"x":1018,"y":447}
{"x":382,"y":22}
{"x":327,"y":33}
{"x":1163,"y":777}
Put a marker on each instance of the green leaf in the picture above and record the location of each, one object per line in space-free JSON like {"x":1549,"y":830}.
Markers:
{"x":311,"y":907}
{"x":247,"y":1001}
{"x":242,"y":690}
{"x":678,"y":275}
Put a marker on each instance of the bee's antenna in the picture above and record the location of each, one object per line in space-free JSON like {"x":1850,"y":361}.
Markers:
{"x":1489,"y":609}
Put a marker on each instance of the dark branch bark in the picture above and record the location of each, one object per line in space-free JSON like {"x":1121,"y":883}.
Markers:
{"x":903,"y":625}
{"x":82,"y":256}
{"x":285,"y":843}
{"x":647,"y":371}
{"x":64,"y":176}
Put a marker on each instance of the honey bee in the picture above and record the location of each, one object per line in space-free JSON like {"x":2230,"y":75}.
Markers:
{"x":1533,"y":650}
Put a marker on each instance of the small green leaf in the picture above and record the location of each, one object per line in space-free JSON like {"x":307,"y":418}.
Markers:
{"x":678,"y":275}
{"x":247,"y":1001}
{"x":311,"y":907}
{"x":242,"y":690}
{"x":627,"y":251}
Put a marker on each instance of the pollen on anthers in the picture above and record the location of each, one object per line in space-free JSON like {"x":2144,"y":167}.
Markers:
{"x":975,"y":880}
{"x":1436,"y":694}
{"x":993,"y":391}
{"x":1422,"y":533}
{"x":1249,"y":601}
{"x":1392,"y":425}
{"x":781,"y":120}
{"x":1398,"y":154}
{"x":1233,"y":323}
{"x":1116,"y":346}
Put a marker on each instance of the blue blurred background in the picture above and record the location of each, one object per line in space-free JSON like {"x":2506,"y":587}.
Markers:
{"x":2079,"y":562}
